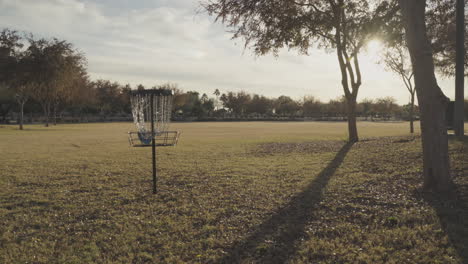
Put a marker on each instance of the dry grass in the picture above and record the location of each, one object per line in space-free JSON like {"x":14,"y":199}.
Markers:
{"x":229,"y":192}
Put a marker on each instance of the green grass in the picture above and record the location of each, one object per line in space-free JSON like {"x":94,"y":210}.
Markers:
{"x":229,"y":192}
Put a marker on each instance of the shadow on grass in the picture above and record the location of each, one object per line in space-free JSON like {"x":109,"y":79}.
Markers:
{"x":452,"y":209}
{"x":453,"y":137}
{"x":276,"y":239}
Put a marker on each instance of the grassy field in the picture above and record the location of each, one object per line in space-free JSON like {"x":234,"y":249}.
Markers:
{"x":228,"y":193}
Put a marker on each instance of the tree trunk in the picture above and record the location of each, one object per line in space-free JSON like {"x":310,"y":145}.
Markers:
{"x":55,"y":114}
{"x":352,"y":126}
{"x":80,"y":118}
{"x":411,"y":114}
{"x":459,"y":71}
{"x":46,"y":113}
{"x":432,"y":101}
{"x":21,"y":116}
{"x":346,"y":69}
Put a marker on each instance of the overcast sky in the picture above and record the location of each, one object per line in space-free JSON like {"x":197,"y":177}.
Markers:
{"x":157,"y":41}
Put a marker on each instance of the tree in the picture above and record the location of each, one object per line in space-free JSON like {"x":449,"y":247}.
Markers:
{"x":285,"y":105}
{"x":125,"y":95}
{"x":189,"y":104}
{"x":242,"y":101}
{"x":13,"y":73}
{"x":140,"y":87}
{"x":386,"y":106}
{"x":311,"y":106}
{"x":466,"y":109}
{"x":337,"y":107}
{"x":339,"y":25}
{"x":441,"y":29}
{"x":204,"y":98}
{"x":84,"y":96}
{"x":179,"y":99}
{"x":22,"y":85}
{"x":54,"y":62}
{"x":367,"y":107}
{"x":108,"y":96}
{"x":406,"y":109}
{"x":260,"y":104}
{"x":396,"y":59}
{"x":217,"y":93}
{"x":22,"y":95}
{"x":447,"y":30}
{"x":226,"y":100}
{"x":44,"y":74}
{"x":208,"y":106}
{"x":460,"y":54}
{"x":6,"y":101}
{"x":72,"y":76}
{"x":10,"y":43}
{"x":237,"y":103}
{"x":432,"y":101}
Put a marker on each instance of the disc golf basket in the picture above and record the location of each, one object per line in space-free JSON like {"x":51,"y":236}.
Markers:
{"x":151,"y":110}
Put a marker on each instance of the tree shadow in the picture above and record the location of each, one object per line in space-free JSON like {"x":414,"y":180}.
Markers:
{"x":452,"y":211}
{"x":277,"y":239}
{"x":452,"y":208}
{"x":453,"y":137}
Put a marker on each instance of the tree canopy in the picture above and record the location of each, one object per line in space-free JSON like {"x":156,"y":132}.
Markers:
{"x":441,"y":29}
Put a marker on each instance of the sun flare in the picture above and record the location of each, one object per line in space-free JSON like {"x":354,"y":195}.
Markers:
{"x":374,"y":45}
{"x":373,"y":49}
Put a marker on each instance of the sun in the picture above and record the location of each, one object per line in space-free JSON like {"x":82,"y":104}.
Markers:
{"x":374,"y":49}
{"x":374,"y":46}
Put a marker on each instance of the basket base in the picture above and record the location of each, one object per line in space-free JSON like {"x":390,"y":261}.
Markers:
{"x":162,"y":139}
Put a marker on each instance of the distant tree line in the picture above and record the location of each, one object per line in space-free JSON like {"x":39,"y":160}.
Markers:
{"x":244,"y":105}
{"x":47,"y":80}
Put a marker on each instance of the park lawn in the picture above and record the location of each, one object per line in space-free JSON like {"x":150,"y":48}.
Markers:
{"x":258,"y":192}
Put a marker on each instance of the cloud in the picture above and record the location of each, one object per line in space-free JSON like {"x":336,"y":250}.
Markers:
{"x":154,"y":41}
